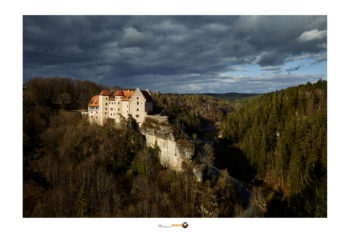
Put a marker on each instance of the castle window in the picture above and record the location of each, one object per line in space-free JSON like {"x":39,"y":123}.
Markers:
{"x":137,"y":115}
{"x":118,"y":109}
{"x":105,"y":113}
{"x":137,"y":97}
{"x":137,"y":109}
{"x":137,"y":103}
{"x":118,"y":102}
{"x":106,"y":103}
{"x":106,"y":108}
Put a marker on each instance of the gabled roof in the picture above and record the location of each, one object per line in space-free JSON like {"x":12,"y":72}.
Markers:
{"x":94,"y":102}
{"x":105,"y":92}
{"x":119,"y":93}
{"x":127,"y":94}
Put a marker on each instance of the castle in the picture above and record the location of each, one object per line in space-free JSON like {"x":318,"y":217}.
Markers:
{"x":120,"y":104}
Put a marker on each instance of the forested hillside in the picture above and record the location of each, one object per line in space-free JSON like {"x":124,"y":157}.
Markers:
{"x":230,"y":96}
{"x":61,"y":92}
{"x":74,"y":169}
{"x":283,"y":135}
{"x":191,"y":114}
{"x":275,"y":144}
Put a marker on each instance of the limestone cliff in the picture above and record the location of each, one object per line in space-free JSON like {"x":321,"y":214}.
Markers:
{"x":158,"y":131}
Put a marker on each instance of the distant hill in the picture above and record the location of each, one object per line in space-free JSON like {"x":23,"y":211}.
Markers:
{"x":230,"y":96}
{"x":246,"y":100}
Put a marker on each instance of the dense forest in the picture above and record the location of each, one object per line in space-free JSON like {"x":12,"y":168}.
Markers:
{"x":75,"y":169}
{"x":230,"y":96}
{"x":283,"y":135}
{"x":275,"y":145}
{"x":191,"y":115}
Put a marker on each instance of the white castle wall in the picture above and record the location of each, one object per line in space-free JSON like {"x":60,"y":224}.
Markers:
{"x":137,"y":106}
{"x":114,"y":108}
{"x":103,"y":109}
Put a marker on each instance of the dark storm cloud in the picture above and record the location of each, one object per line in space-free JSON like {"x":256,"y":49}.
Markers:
{"x":272,"y":58}
{"x":165,"y":52}
{"x":277,"y":36}
{"x":294,"y":68}
{"x":320,"y":58}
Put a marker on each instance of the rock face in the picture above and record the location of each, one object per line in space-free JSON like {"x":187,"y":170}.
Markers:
{"x":159,"y":132}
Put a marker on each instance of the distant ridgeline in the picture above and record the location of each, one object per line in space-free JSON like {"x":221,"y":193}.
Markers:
{"x":284,"y":137}
{"x":230,"y":96}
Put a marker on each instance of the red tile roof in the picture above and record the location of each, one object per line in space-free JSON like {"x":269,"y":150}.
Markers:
{"x":119,"y":93}
{"x":127,"y":94}
{"x":94,"y":102}
{"x":105,"y":92}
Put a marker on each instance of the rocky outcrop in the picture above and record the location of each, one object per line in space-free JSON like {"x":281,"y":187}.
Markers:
{"x":158,"y":132}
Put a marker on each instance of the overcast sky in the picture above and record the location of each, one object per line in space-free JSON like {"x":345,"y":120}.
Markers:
{"x":183,"y":54}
